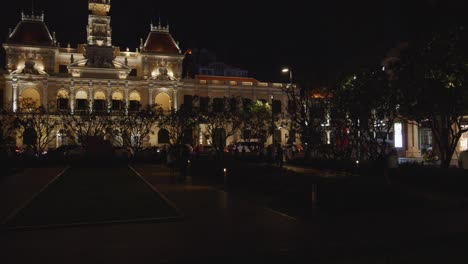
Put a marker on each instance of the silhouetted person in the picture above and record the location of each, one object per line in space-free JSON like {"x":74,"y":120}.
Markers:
{"x":164,"y":154}
{"x":279,"y":155}
{"x":391,"y":165}
{"x":463,"y":161}
{"x":271,"y":153}
{"x":183,"y":161}
{"x":171,"y":158}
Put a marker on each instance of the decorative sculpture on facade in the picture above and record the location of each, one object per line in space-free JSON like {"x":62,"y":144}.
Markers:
{"x":29,"y":67}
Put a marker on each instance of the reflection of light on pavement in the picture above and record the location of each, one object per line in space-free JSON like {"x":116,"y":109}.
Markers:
{"x":192,"y":188}
{"x":224,"y":200}
{"x":318,"y":172}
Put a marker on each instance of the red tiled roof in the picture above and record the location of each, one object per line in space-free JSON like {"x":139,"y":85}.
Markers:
{"x":31,"y":33}
{"x":160,"y":42}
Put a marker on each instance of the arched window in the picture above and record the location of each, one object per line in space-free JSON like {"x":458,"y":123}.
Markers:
{"x":163,"y":136}
{"x":99,"y":101}
{"x":188,"y":102}
{"x":164,"y":101}
{"x":292,"y":136}
{"x":246,"y":104}
{"x":81,"y":100}
{"x":30,"y":98}
{"x":135,"y":101}
{"x":188,"y":136}
{"x":233,"y":104}
{"x":218,"y":104}
{"x":219,"y":137}
{"x":277,"y":135}
{"x":117,"y":101}
{"x":62,"y":100}
{"x":276,"y":107}
{"x":204,"y":103}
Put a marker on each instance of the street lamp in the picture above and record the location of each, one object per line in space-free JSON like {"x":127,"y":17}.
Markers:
{"x":272,"y":122}
{"x":285,"y":70}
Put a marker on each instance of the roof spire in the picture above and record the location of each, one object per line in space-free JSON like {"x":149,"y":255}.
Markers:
{"x":159,"y":27}
{"x":32,"y":17}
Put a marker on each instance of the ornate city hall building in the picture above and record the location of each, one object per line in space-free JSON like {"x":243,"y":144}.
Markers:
{"x":99,"y":76}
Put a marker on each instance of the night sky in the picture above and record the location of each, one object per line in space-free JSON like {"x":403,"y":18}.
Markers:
{"x":317,"y":39}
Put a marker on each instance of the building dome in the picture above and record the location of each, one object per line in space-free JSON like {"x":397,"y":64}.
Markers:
{"x":159,"y":40}
{"x":31,"y":30}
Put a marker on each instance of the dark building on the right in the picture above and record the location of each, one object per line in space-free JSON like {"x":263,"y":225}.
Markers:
{"x":205,"y":62}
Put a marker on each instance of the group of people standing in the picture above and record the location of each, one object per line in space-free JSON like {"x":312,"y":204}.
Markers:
{"x":178,"y":157}
{"x":275,"y":154}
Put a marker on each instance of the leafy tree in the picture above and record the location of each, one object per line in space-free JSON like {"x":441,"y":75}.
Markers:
{"x":432,"y":74}
{"x":222,"y":120}
{"x":8,"y":126}
{"x":178,"y":122}
{"x":257,"y":121}
{"x":306,"y":115}
{"x":363,"y":109}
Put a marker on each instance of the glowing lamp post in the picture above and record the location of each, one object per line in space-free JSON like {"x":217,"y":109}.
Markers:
{"x":286,"y":70}
{"x":225,"y":176}
{"x":272,"y":123}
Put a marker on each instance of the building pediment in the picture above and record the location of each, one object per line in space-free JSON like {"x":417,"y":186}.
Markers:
{"x":117,"y":71}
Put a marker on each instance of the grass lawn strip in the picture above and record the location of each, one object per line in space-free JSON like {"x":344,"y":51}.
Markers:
{"x":157,"y":191}
{"x":27,"y":202}
{"x":95,"y":195}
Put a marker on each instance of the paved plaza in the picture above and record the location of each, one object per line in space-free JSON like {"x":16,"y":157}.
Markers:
{"x":224,"y":228}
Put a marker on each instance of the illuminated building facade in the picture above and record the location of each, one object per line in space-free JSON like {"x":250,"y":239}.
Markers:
{"x":97,"y":76}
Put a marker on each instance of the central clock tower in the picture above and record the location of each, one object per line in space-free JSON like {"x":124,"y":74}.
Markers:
{"x":99,"y":7}
{"x":99,"y":50}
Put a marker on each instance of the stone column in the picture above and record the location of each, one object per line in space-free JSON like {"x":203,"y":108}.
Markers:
{"x":200,"y":134}
{"x":15,"y":94}
{"x":45,"y":99}
{"x":254,"y":94}
{"x":127,"y":99}
{"x":109,"y":97}
{"x":176,"y":99}
{"x":91,"y":96}
{"x":150,"y":94}
{"x":412,"y":139}
{"x":72,"y":97}
{"x":227,"y":91}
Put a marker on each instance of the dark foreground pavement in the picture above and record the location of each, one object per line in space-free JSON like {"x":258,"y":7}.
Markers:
{"x":218,"y":227}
